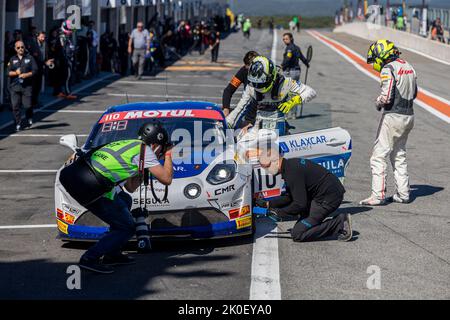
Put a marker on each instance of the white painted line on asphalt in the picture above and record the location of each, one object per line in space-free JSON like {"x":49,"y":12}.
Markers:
{"x":265,"y":276}
{"x":265,"y":281}
{"x":418,"y":101}
{"x":72,"y":111}
{"x":28,"y":171}
{"x":32,"y":226}
{"x":155,"y":83}
{"x":160,"y":96}
{"x":273,"y":54}
{"x":51,"y":103}
{"x":32,"y":135}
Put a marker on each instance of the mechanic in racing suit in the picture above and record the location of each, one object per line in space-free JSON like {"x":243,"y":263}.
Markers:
{"x":268,"y":90}
{"x":67,"y":55}
{"x":313,"y":193}
{"x":239,"y":78}
{"x":398,"y":91}
{"x":97,"y":178}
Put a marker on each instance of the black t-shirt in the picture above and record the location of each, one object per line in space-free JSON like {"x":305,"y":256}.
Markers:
{"x":241,"y":77}
{"x":26,"y":64}
{"x":305,"y":181}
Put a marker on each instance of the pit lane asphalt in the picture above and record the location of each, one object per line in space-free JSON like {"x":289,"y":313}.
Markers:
{"x":410,"y":243}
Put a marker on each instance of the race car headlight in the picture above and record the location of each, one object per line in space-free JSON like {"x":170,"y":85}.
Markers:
{"x":222,"y":173}
{"x":192,"y":191}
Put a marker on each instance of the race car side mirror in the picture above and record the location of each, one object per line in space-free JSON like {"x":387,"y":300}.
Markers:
{"x":70,"y":141}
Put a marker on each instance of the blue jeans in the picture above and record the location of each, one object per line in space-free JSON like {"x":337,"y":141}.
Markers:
{"x":117,"y":214}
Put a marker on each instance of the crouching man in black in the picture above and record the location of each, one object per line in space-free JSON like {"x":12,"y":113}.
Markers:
{"x":313,"y":193}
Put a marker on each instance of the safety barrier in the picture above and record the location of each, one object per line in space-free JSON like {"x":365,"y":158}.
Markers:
{"x":402,"y":39}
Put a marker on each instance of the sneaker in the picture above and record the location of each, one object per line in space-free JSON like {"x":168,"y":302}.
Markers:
{"x":18,"y":127}
{"x":71,"y":97}
{"x":30,"y":122}
{"x":396,"y":198}
{"x":346,"y":234}
{"x":373,"y":202}
{"x":95,"y":266}
{"x":117,"y":260}
{"x":61,"y":95}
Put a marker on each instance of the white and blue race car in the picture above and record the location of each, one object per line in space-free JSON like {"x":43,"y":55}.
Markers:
{"x":212,"y":193}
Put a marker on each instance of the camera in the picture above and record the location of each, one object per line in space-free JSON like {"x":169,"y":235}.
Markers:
{"x":142,"y":230}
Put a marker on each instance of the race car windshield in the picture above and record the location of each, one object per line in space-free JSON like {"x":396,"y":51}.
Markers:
{"x":189,"y":132}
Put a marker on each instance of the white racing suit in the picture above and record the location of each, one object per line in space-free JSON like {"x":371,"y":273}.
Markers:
{"x":283,"y":90}
{"x":398,"y":91}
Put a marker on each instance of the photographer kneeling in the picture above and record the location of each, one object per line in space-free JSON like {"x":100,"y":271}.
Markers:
{"x":312,"y":192}
{"x":96,"y":179}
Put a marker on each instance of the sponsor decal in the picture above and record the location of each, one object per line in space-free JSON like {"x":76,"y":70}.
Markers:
{"x":302,"y":144}
{"x":229,"y":205}
{"x":63,"y":227}
{"x":268,"y":194}
{"x":334,"y":164}
{"x":239,"y":212}
{"x":152,"y":202}
{"x":245,"y":222}
{"x":115,"y":126}
{"x":221,"y":191}
{"x":64,"y":216}
{"x":148,"y":114}
{"x":70,"y":209}
{"x":402,"y":72}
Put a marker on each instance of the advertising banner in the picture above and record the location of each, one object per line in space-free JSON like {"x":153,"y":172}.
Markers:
{"x":26,"y":9}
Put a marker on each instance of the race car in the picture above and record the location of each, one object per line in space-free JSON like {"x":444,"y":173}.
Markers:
{"x":212,"y":193}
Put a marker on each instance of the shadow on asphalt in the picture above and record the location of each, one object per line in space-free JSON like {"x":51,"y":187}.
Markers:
{"x":50,"y":126}
{"x":420,"y":190}
{"x":353,"y":210}
{"x":194,"y":261}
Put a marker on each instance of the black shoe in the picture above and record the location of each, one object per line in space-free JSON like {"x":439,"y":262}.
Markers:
{"x":95,"y":266}
{"x":118,"y":260}
{"x":346,"y":234}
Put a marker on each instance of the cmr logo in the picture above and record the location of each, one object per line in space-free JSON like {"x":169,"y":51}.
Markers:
{"x":218,"y":192}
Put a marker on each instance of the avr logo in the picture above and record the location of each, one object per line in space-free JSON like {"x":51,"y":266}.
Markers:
{"x":283,"y":147}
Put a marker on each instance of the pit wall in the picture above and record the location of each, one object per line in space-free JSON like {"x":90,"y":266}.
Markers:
{"x":402,"y":39}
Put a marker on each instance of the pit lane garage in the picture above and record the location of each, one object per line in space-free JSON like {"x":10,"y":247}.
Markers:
{"x":212,"y":193}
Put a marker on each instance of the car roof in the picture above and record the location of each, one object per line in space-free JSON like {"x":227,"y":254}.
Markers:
{"x":180,"y":105}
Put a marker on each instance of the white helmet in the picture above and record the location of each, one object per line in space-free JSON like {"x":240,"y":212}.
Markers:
{"x":262,"y":74}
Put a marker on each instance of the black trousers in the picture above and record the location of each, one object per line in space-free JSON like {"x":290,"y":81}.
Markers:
{"x":21,"y":97}
{"x":37,"y":86}
{"x":215,"y":53}
{"x":314,"y":227}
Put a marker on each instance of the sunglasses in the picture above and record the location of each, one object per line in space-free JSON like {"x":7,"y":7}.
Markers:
{"x":18,"y":48}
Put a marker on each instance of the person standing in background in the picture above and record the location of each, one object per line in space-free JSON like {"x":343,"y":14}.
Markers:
{"x":92,"y":36}
{"x":38,"y":49}
{"x":21,"y":70}
{"x":398,"y":92}
{"x":214,"y":43}
{"x":139,"y":47}
{"x":246,"y":28}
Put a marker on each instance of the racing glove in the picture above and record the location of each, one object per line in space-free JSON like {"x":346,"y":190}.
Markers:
{"x":262,"y":203}
{"x":379,"y":105}
{"x":287,"y":106}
